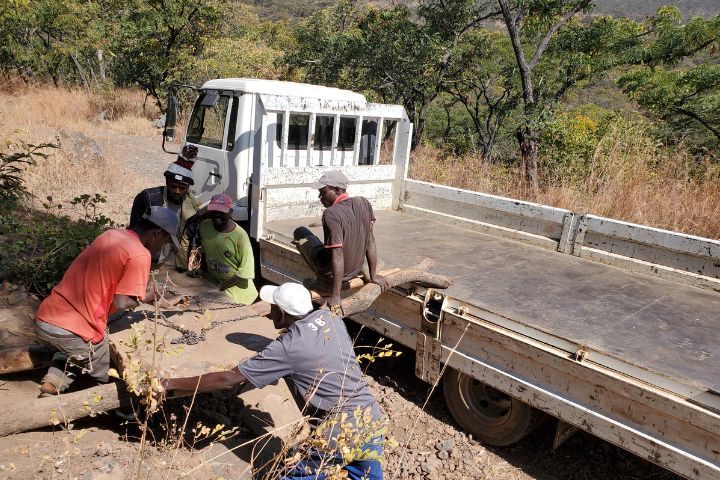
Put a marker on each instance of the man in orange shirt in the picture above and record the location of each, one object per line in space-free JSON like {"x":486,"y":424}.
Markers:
{"x":110,"y":274}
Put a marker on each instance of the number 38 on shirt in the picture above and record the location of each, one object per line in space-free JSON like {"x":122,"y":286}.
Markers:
{"x":318,"y":322}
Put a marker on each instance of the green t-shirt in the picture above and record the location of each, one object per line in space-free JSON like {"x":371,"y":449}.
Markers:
{"x":229,"y":254}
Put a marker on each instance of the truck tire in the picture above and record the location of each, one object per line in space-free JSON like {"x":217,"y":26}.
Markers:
{"x":490,"y":415}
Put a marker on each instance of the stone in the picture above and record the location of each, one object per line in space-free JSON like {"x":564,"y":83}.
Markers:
{"x":443,"y":455}
{"x":445,"y":445}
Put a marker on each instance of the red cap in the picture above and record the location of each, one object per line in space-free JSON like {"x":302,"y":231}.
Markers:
{"x":220,"y":203}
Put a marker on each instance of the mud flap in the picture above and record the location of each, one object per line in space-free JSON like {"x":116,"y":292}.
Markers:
{"x":563,"y":432}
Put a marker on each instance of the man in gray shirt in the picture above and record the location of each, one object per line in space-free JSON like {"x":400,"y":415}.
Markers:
{"x":316,"y":356}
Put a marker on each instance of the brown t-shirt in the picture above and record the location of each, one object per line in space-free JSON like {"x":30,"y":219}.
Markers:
{"x":348,"y":224}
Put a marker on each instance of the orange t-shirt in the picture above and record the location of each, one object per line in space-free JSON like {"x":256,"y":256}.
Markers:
{"x":115,"y":263}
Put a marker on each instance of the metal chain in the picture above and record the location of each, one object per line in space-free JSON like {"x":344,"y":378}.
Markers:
{"x":189,"y":337}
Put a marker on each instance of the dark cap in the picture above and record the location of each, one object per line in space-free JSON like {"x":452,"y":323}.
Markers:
{"x":333,"y":178}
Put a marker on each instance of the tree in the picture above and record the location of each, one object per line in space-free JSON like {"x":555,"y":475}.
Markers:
{"x":386,"y":52}
{"x":154,"y":39}
{"x":480,"y":79}
{"x":687,"y":97}
{"x":555,"y":52}
{"x":51,"y":38}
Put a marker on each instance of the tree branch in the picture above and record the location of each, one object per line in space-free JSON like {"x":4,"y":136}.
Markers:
{"x":549,"y":34}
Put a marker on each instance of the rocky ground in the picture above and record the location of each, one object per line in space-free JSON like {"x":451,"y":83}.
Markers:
{"x":430,"y":444}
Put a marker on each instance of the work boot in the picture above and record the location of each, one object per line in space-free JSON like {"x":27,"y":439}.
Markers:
{"x":48,"y":390}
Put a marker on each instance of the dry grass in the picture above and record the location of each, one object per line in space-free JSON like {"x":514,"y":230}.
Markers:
{"x":70,"y":119}
{"x":629,"y":179}
{"x":24,"y":109}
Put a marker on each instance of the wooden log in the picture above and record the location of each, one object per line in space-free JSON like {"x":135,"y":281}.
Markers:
{"x":363,"y":298}
{"x":65,"y":408}
{"x":20,"y":359}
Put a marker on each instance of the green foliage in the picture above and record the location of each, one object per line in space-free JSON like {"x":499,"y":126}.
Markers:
{"x":42,"y":244}
{"x":568,"y":144}
{"x":686,"y":97}
{"x":154,"y":38}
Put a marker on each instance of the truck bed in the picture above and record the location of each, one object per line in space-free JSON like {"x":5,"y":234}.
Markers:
{"x":637,"y":320}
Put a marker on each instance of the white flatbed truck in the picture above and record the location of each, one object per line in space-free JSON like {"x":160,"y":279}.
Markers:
{"x":611,"y":327}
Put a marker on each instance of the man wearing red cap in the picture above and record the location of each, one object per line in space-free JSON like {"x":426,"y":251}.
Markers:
{"x":227,"y":252}
{"x":176,"y":196}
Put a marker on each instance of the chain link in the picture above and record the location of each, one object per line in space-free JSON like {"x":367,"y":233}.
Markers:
{"x":189,"y":337}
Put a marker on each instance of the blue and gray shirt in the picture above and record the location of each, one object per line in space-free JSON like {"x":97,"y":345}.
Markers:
{"x":317,"y":357}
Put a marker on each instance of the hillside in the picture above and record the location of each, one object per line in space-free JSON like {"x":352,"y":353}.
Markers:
{"x":637,"y":10}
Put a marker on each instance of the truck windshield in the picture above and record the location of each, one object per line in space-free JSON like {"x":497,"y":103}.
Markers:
{"x":207,"y":123}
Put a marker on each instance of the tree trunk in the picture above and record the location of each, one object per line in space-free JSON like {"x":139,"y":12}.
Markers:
{"x":23,"y":358}
{"x":65,"y":408}
{"x":362,"y":299}
{"x":101,"y":64}
{"x":529,"y":150}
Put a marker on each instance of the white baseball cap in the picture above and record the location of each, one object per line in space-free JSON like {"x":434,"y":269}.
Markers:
{"x":292,"y":298}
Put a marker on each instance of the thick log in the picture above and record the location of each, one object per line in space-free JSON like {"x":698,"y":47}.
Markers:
{"x":20,"y":359}
{"x":63,"y":409}
{"x":363,"y":298}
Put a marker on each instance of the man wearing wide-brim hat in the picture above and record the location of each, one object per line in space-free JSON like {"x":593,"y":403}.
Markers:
{"x":349,"y":240}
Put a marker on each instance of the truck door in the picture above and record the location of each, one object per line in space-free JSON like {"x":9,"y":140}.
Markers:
{"x":208,"y":129}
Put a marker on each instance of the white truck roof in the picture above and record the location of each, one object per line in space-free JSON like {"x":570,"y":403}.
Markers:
{"x":290,"y":89}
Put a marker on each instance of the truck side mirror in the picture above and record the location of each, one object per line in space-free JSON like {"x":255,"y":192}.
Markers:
{"x":171,"y":114}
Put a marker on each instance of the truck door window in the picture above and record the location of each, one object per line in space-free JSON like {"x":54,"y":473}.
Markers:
{"x":207,"y":124}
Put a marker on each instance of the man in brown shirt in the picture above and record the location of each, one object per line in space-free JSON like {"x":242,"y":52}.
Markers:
{"x":349,"y":241}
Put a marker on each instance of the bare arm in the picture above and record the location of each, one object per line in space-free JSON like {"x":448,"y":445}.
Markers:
{"x":124,"y":302}
{"x":371,"y":256}
{"x":338,"y":269}
{"x":207,"y":382}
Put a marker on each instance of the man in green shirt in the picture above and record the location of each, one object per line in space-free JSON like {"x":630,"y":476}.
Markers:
{"x":227,"y":253}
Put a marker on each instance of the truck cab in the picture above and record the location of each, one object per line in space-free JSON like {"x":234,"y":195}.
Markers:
{"x":243,"y":126}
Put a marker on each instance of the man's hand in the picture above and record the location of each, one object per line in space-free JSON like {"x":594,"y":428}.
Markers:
{"x":334,"y":301}
{"x":380,"y":280}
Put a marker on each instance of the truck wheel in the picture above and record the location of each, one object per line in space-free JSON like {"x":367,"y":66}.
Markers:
{"x":490,"y":415}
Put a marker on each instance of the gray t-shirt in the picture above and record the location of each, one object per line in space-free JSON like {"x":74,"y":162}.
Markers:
{"x":317,"y":357}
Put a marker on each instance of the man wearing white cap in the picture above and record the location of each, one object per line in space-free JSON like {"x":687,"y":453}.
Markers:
{"x":228,"y":258}
{"x":315,"y":355}
{"x":110,"y":274}
{"x":176,"y":196}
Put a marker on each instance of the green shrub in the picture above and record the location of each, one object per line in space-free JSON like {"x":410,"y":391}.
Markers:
{"x":40,"y":245}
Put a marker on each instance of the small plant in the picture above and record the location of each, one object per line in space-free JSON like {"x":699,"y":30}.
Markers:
{"x":43,"y":243}
{"x":12,"y":166}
